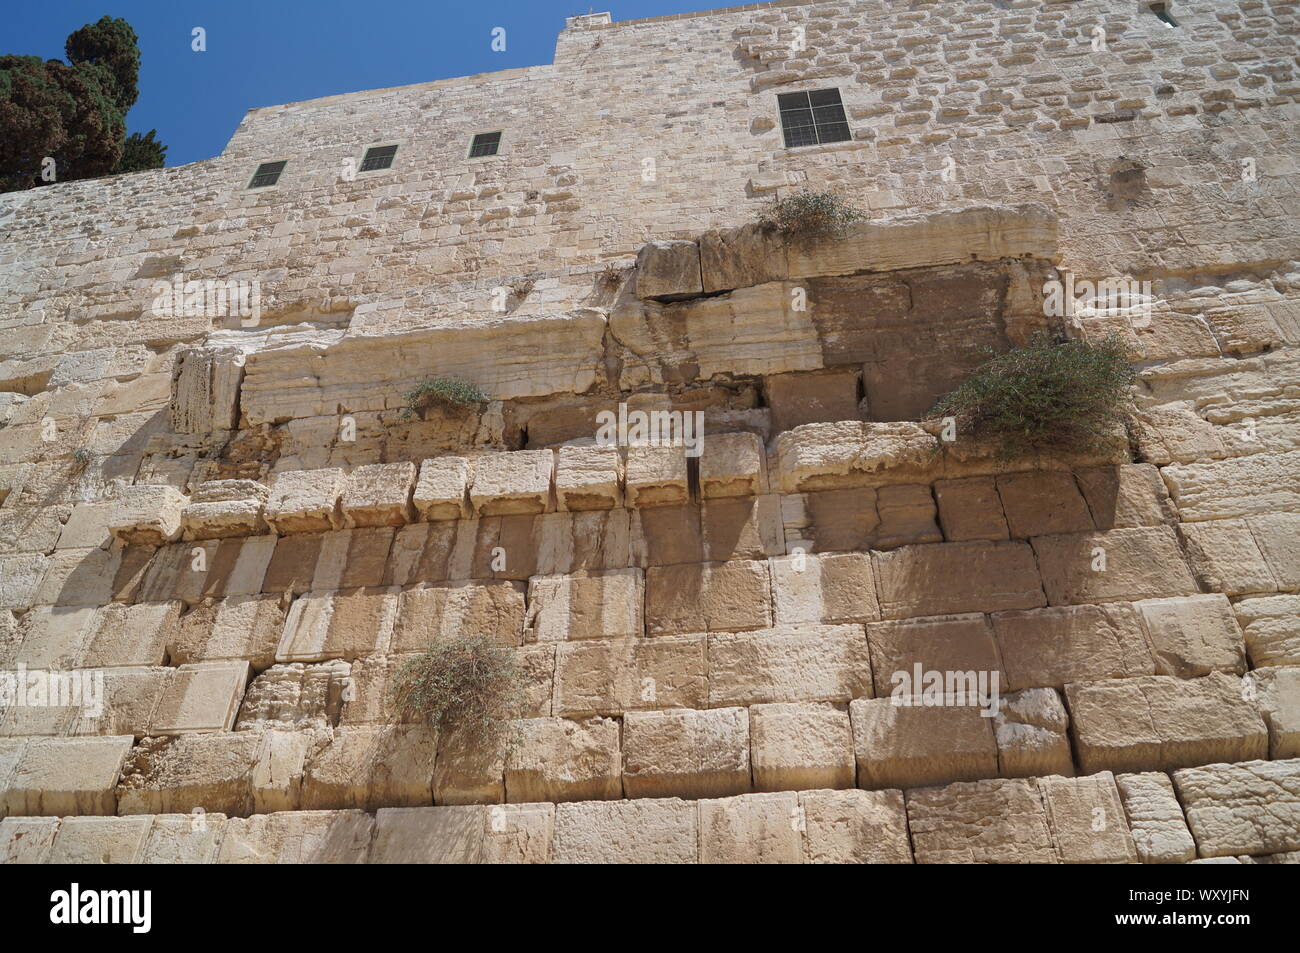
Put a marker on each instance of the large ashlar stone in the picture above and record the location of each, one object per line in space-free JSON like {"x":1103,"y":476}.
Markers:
{"x":851,"y":453}
{"x":147,"y":515}
{"x":902,"y":745}
{"x":295,"y":696}
{"x":441,"y":491}
{"x":1251,"y":808}
{"x":352,"y":558}
{"x":751,"y":829}
{"x":100,"y":840}
{"x":27,"y":840}
{"x":740,"y":528}
{"x":796,"y":747}
{"x":305,"y":501}
{"x":1030,"y":730}
{"x":517,"y":482}
{"x":500,"y":834}
{"x":1260,"y":483}
{"x":1159,"y":722}
{"x":53,"y":637}
{"x":202,"y":696}
{"x":1087,"y":820}
{"x":1279,"y":540}
{"x":205,"y":389}
{"x":1043,"y":501}
{"x":732,"y":464}
{"x":1052,"y":646}
{"x":1155,"y":818}
{"x":708,"y":597}
{"x":1001,"y":821}
{"x":1271,"y":628}
{"x":959,"y":644}
{"x":815,"y":663}
{"x":1193,"y":636}
{"x":176,"y":775}
{"x":652,"y":831}
{"x":656,"y":475}
{"x":1119,"y":565}
{"x":667,"y":269}
{"x":943,"y":578}
{"x":617,"y":676}
{"x":854,"y":827}
{"x":20,"y":577}
{"x":831,"y":588}
{"x":1125,"y":496}
{"x":907,"y":515}
{"x":1225,"y":556}
{"x":225,"y":508}
{"x":297,"y":837}
{"x":368,"y":767}
{"x":686,"y":753}
{"x":61,"y":776}
{"x":741,"y":257}
{"x":1278,"y":691}
{"x":346,"y":623}
{"x":129,"y":635}
{"x":585,"y":605}
{"x":379,"y":494}
{"x":470,"y":768}
{"x":184,"y":839}
{"x":238,"y":627}
{"x":806,"y":398}
{"x":430,"y":613}
{"x":588,"y":477}
{"x":560,"y":759}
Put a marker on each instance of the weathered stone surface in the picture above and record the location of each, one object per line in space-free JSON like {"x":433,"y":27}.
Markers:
{"x":353,"y":558}
{"x":993,"y":821}
{"x":741,"y":257}
{"x":686,"y":753}
{"x":518,"y":482}
{"x":345,"y":623}
{"x":1278,"y":535}
{"x":1278,"y":691}
{"x":956,"y":644}
{"x":429,"y":613}
{"x":184,"y":839}
{"x":1155,"y":818}
{"x":956,"y":577}
{"x":27,"y":840}
{"x":1052,"y":646}
{"x":1119,"y":565}
{"x":732,"y":464}
{"x":751,"y":829}
{"x":305,"y":501}
{"x":835,"y":520}
{"x":907,"y":515}
{"x":1251,"y":808}
{"x":205,"y":389}
{"x":239,"y":627}
{"x":1125,"y":496}
{"x":804,"y":398}
{"x":1259,"y":483}
{"x":610,"y":677}
{"x":902,"y":745}
{"x":100,"y":840}
{"x":815,"y":663}
{"x":656,"y":475}
{"x":1030,"y":730}
{"x":585,"y":605}
{"x":147,"y":515}
{"x":1161,"y":722}
{"x":296,"y":696}
{"x":831,"y":588}
{"x":369,"y":767}
{"x":1039,"y":502}
{"x":652,"y":831}
{"x":212,"y":771}
{"x":742,"y":528}
{"x":129,"y":635}
{"x":1271,"y":629}
{"x":707,"y":597}
{"x":855,"y":827}
{"x":58,"y":776}
{"x":796,"y":747}
{"x":588,"y":477}
{"x":379,"y":494}
{"x":428,"y":835}
{"x":440,"y":492}
{"x":201,"y":696}
{"x":297,"y":837}
{"x":970,"y":509}
{"x":1193,"y":636}
{"x":1087,"y":820}
{"x":665,"y":269}
{"x":470,"y":769}
{"x":225,"y":508}
{"x":1225,"y":556}
{"x":849,"y":453}
{"x":559,"y":759}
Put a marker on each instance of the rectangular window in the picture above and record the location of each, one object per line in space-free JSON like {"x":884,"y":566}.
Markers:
{"x":1162,"y":13}
{"x":485,"y":144}
{"x":268,"y":173}
{"x":812,"y":118}
{"x":378,"y":157}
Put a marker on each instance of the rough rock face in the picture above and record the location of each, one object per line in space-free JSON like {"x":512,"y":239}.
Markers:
{"x":761,"y":609}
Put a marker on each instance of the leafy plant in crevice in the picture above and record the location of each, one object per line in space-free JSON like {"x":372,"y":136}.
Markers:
{"x":810,"y":214}
{"x":445,"y":392}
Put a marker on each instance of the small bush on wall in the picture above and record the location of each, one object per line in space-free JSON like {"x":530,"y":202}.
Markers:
{"x":464,"y":684}
{"x":809,"y":214}
{"x":445,"y":392}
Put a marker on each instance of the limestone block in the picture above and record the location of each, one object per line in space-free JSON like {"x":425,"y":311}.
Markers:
{"x":1030,"y":730}
{"x":658,"y":831}
{"x":61,"y":776}
{"x":1279,"y":540}
{"x":588,"y":477}
{"x":686,"y":753}
{"x":707,"y":597}
{"x":1155,"y":818}
{"x":855,"y":827}
{"x":1251,"y":808}
{"x":371,"y":766}
{"x":519,"y":834}
{"x":183,"y":839}
{"x":238,"y":627}
{"x":212,"y":771}
{"x":741,"y":257}
{"x":906,"y":515}
{"x":970,"y":509}
{"x":205,"y":389}
{"x":742,"y":528}
{"x":656,"y":475}
{"x":429,"y":835}
{"x":232,"y":567}
{"x":1039,"y":502}
{"x":1125,"y":496}
{"x":833,"y":520}
{"x":201,"y":696}
{"x":1225,"y":556}
{"x":379,"y":494}
{"x":345,"y":623}
{"x":610,"y":677}
{"x":26,"y":840}
{"x":1278,"y":691}
{"x":147,"y":515}
{"x":815,"y":663}
{"x":53,"y":637}
{"x":991,"y":821}
{"x":751,"y":829}
{"x":941,"y":578}
{"x":805,"y":398}
{"x":796,"y":747}
{"x":297,"y":837}
{"x":585,"y":605}
{"x":1271,"y":628}
{"x":831,"y":588}
{"x":1159,"y":722}
{"x":20,"y":577}
{"x":130,"y":696}
{"x":1052,"y":646}
{"x":353,"y":558}
{"x":1119,"y":565}
{"x":305,"y":501}
{"x":732,"y":464}
{"x":560,"y":759}
{"x":517,"y":482}
{"x":129,"y":635}
{"x":1193,"y":636}
{"x":667,"y":269}
{"x":849,"y":453}
{"x":1260,"y":483}
{"x":959,"y":644}
{"x":1087,"y":820}
{"x":428,"y":613}
{"x":79,"y":577}
{"x":537,"y":674}
{"x":87,"y":526}
{"x":296,"y":696}
{"x":440,"y":492}
{"x":470,"y":767}
{"x":100,"y":840}
{"x":225,"y":508}
{"x":902,"y":745}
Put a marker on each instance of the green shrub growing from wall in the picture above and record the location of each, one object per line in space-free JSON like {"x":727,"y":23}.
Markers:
{"x":445,"y":392}
{"x":810,"y":215}
{"x":467,"y":685}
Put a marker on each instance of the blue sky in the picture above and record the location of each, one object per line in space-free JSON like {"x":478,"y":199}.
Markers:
{"x":277,"y":51}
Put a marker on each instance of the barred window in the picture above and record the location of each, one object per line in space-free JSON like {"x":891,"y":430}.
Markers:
{"x":268,"y":173}
{"x":812,"y":118}
{"x":378,"y":157}
{"x":485,"y":144}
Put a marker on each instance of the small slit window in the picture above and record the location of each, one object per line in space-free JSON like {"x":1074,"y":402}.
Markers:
{"x":812,"y":118}
{"x":378,"y":157}
{"x":268,"y":173}
{"x":1161,"y":10}
{"x":485,"y":144}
